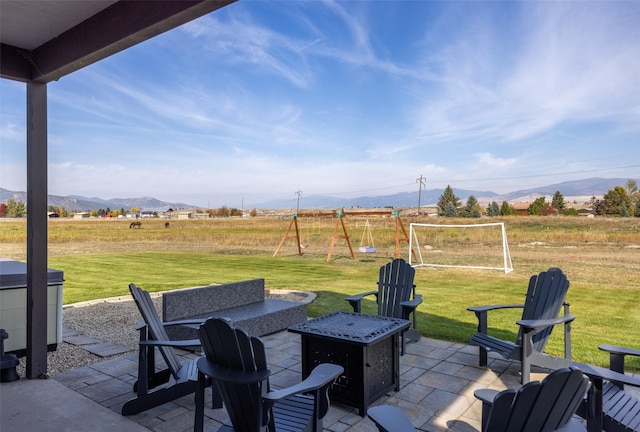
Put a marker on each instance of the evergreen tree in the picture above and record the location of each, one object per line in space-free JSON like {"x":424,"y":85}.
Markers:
{"x":493,"y":209}
{"x":450,"y":210}
{"x":447,"y":197}
{"x":557,"y":201}
{"x":472,"y":208}
{"x":16,"y":209}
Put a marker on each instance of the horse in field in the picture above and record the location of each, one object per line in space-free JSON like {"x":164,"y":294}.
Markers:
{"x":166,"y":224}
{"x":135,"y":225}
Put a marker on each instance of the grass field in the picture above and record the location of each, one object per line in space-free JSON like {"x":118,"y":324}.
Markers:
{"x":601,"y":257}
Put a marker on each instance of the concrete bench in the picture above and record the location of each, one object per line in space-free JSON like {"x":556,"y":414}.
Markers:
{"x":243,"y":303}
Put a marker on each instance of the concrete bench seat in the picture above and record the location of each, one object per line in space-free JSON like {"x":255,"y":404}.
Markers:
{"x":243,"y":303}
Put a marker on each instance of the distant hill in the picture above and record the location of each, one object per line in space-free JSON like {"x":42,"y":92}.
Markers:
{"x":80,"y":203}
{"x":576,"y":189}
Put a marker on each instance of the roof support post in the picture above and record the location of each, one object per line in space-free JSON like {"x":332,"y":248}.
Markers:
{"x":36,"y":366}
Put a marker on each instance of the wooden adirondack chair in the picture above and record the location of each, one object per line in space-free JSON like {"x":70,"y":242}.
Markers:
{"x":610,"y":406}
{"x":396,"y":296}
{"x":237,"y":362}
{"x":544,"y":299}
{"x":535,"y":407}
{"x":180,"y":378}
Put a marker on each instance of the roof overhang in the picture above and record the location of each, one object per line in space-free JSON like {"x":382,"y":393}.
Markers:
{"x":42,"y":41}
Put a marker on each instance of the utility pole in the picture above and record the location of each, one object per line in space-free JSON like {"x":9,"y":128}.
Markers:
{"x":421,"y":182}
{"x":299,"y":193}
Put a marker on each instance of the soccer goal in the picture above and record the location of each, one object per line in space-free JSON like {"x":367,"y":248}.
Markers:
{"x":480,"y":246}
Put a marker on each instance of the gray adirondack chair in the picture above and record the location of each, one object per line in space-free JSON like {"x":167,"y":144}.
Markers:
{"x":536,"y":407}
{"x":540,"y":313}
{"x":238,"y":363}
{"x":611,"y":407}
{"x":396,"y":296}
{"x":178,"y":379}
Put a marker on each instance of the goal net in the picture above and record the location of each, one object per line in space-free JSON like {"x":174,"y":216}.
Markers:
{"x":481,"y":246}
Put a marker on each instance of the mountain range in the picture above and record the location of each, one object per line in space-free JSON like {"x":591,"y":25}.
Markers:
{"x":81,"y":203}
{"x":575,"y":190}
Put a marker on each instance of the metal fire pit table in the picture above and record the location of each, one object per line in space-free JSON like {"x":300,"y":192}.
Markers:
{"x":366,"y":346}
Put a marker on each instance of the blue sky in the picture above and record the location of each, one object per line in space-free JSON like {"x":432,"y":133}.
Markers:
{"x":261,"y":99}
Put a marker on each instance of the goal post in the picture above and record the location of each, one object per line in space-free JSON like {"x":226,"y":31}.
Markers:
{"x":479,"y":246}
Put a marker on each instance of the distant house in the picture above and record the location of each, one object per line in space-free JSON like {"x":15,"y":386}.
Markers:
{"x":184,"y":215}
{"x":521,"y":208}
{"x":81,"y":215}
{"x":146,"y":214}
{"x":53,"y":215}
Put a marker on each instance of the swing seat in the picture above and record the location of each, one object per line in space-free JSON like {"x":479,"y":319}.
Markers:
{"x":367,"y":249}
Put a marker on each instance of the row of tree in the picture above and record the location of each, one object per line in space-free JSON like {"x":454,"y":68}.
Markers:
{"x":18,"y":209}
{"x":621,"y":201}
{"x":13,"y":209}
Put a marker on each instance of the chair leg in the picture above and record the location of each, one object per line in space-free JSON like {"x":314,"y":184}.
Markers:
{"x":483,"y":357}
{"x":198,"y":425}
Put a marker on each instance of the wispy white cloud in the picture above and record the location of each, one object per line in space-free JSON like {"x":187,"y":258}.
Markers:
{"x":573,"y":63}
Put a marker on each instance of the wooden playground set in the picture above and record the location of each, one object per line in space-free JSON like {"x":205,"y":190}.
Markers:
{"x":340,"y":230}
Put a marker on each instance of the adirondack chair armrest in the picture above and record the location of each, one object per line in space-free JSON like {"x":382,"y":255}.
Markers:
{"x":321,"y":376}
{"x":537,"y":325}
{"x":195,"y":323}
{"x":617,"y":355}
{"x":175,"y":344}
{"x":412,"y":304}
{"x":486,"y":395}
{"x":355,"y":300}
{"x":217,"y":372}
{"x":625,"y":351}
{"x":483,"y":309}
{"x":600,"y":373}
{"x":482,"y":315}
{"x":390,"y":419}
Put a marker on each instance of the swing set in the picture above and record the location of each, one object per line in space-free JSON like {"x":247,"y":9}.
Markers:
{"x":340,"y":230}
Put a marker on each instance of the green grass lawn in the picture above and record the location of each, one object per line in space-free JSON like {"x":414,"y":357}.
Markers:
{"x":606,"y":312}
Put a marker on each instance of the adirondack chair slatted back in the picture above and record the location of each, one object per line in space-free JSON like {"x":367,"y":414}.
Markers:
{"x":236,"y":350}
{"x":539,"y":406}
{"x":154,"y":326}
{"x":395,"y":286}
{"x":544,"y":300}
